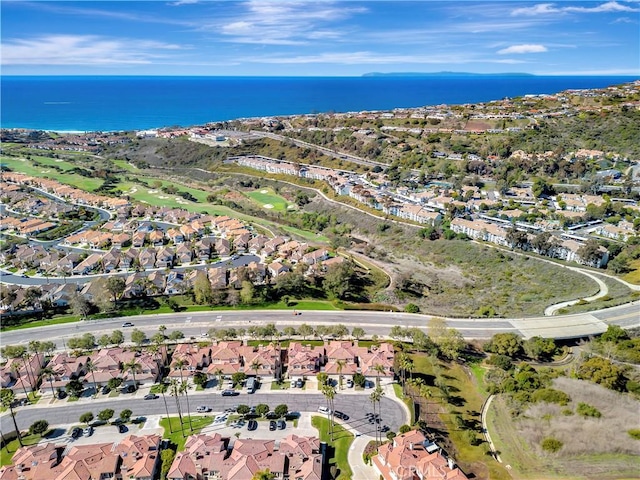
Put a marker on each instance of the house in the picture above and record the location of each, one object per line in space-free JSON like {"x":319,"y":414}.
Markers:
{"x":164,"y":258}
{"x":303,"y":360}
{"x":147,"y":258}
{"x":315,"y":257}
{"x":202,"y":455}
{"x":65,"y":368}
{"x":408,"y":457}
{"x":88,"y":265}
{"x":192,"y":358}
{"x":276,"y":268}
{"x":184,"y":254}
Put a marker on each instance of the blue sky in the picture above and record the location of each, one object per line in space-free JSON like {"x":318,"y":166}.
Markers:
{"x":262,"y":37}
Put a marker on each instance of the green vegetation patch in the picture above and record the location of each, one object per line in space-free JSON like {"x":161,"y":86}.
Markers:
{"x":341,"y":443}
{"x":267,"y":198}
{"x":182,"y":430}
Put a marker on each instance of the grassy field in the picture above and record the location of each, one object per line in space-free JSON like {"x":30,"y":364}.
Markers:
{"x":27,"y":167}
{"x":633,"y":276}
{"x":182,"y":430}
{"x":459,"y":415}
{"x":593,"y":448}
{"x":266,"y":196}
{"x":618,"y":294}
{"x":341,"y":444}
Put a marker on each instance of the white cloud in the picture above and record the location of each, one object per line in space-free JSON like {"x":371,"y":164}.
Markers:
{"x":525,"y":48}
{"x":82,"y":50}
{"x":286,"y":22}
{"x":179,"y":3}
{"x":551,"y":8}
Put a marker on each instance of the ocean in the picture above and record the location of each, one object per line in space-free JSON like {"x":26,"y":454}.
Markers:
{"x":110,"y":103}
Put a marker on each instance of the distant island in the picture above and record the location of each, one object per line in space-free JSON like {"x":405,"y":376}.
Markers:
{"x":441,"y":74}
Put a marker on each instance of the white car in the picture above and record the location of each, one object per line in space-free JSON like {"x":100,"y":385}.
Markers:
{"x":203,"y":409}
{"x":324,"y":410}
{"x":220,"y":419}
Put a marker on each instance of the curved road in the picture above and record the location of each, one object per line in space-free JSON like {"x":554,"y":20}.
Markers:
{"x":356,"y":405}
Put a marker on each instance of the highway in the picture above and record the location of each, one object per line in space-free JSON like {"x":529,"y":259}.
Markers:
{"x":193,"y":324}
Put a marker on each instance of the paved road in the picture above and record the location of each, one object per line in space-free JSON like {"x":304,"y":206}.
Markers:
{"x":354,"y":405}
{"x":379,"y":323}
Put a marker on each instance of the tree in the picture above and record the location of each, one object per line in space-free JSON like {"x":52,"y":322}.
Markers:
{"x":338,"y":281}
{"x":7,"y":397}
{"x":305,"y":331}
{"x":449,"y":340}
{"x":263,"y":475}
{"x":590,"y":253}
{"x":80,"y":306}
{"x":330,"y":394}
{"x":255,"y":366}
{"x":339,"y":331}
{"x":340,"y":364}
{"x":542,"y":188}
{"x":105,"y":415}
{"x":243,"y":409}
{"x":539,"y":348}
{"x":39,"y":427}
{"x":49,"y":373}
{"x":176,"y":335}
{"x":125,"y":415}
{"x":517,"y":238}
{"x":202,"y":291}
{"x":174,"y":387}
{"x":85,"y":342}
{"x":86,"y":418}
{"x":74,"y":388}
{"x":91,"y":368}
{"x":508,"y":344}
{"x":200,"y":379}
{"x":262,"y":409}
{"x":138,"y":337}
{"x":114,"y":383}
{"x":281,"y":410}
{"x":376,"y":397}
{"x":117,"y":337}
{"x":238,"y":378}
{"x":104,"y":340}
{"x":358,"y":333}
{"x":132,"y":366}
{"x":602,"y":371}
{"x":247,"y":293}
{"x":115,"y":286}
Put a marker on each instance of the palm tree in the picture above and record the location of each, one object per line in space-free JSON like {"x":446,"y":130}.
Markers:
{"x":7,"y":397}
{"x":133,"y":367}
{"x":218,"y":373}
{"x":378,"y":369}
{"x":26,"y":361}
{"x":14,"y":369}
{"x":255,"y":366}
{"x":91,"y":368}
{"x":163,"y":388}
{"x":175,"y":392}
{"x":35,"y":347}
{"x":406,"y":365}
{"x":184,"y":386}
{"x":330,"y":394}
{"x":375,"y":397}
{"x":340,"y":364}
{"x":49,"y":373}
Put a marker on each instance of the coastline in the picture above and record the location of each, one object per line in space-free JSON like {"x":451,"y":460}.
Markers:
{"x":78,"y":104}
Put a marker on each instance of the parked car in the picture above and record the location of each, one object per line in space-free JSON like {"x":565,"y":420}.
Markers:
{"x":88,"y":431}
{"x":252,"y":425}
{"x":299,"y":383}
{"x":128,"y":389}
{"x":127,"y":324}
{"x":61,"y":394}
{"x":272,"y":416}
{"x":349,"y":383}
{"x":282,"y":424}
{"x":76,"y":432}
{"x":220,"y":419}
{"x":229,"y":393}
{"x":272,"y":425}
{"x":105,"y":390}
{"x":203,"y":409}
{"x":122,"y":428}
{"x":324,"y":410}
{"x":151,"y":396}
{"x":340,"y":415}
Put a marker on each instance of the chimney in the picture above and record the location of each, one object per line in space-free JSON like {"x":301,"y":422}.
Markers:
{"x":451,"y":464}
{"x":410,"y":445}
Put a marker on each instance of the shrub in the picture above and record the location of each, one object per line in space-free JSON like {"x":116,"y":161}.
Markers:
{"x":552,"y":445}
{"x":567,"y":412}
{"x":404,"y":429}
{"x":550,"y":395}
{"x":634,"y":433}
{"x":587,"y":410}
{"x":411,"y":308}
{"x":500,"y":361}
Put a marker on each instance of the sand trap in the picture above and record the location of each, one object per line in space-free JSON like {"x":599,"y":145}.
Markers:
{"x":291,"y":207}
{"x":58,"y":160}
{"x":268,"y":205}
{"x":162,"y":197}
{"x":45,"y":171}
{"x":152,"y":191}
{"x":264,"y":191}
{"x":133,"y":190}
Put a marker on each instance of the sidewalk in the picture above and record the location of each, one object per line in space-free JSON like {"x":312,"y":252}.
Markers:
{"x":358,"y":467}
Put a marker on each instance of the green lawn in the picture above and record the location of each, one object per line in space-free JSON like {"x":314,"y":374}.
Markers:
{"x":267,"y":196}
{"x":10,"y":448}
{"x":341,"y":444}
{"x":182,"y":431}
{"x":27,"y":167}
